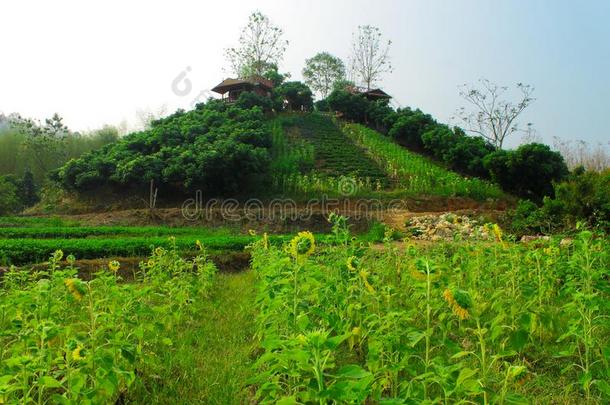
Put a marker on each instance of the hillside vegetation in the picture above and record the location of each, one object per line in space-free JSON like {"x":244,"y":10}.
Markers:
{"x":216,"y":148}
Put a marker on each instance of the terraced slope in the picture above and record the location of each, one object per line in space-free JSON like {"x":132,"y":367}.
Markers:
{"x":334,"y":154}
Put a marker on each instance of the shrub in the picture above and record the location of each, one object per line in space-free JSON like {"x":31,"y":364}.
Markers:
{"x":583,"y":197}
{"x":528,"y":172}
{"x":322,"y":105}
{"x":297,"y":95}
{"x":249,"y":100}
{"x":410,"y":126}
{"x":9,"y":198}
{"x":352,"y":106}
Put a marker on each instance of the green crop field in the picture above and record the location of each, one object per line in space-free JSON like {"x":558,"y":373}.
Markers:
{"x":450,"y":323}
{"x":414,"y":173}
{"x":311,"y":155}
{"x":318,"y":319}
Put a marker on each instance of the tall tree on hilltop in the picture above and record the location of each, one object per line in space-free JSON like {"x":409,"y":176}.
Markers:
{"x":260,"y":47}
{"x":322,"y":71}
{"x":370,"y":57}
{"x":493,"y":117}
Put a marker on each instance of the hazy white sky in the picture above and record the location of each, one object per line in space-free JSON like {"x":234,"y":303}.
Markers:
{"x":98,"y":62}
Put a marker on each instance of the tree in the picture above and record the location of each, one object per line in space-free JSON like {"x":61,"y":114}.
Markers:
{"x":42,"y":142}
{"x":28,"y":192}
{"x":260,"y":47}
{"x":297,"y":95}
{"x":9,"y":200}
{"x":410,"y":126}
{"x":493,"y":118}
{"x":322,"y":72}
{"x":370,"y":57}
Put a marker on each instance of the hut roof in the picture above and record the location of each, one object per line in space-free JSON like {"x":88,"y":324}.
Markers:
{"x":228,"y":84}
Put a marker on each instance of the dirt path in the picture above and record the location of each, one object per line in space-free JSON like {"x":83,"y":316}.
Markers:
{"x":214,"y":359}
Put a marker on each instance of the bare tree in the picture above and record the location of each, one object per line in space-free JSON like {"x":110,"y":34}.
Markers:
{"x":370,"y":55}
{"x":580,"y":153}
{"x":493,"y":118}
{"x":260,"y":47}
{"x":148,"y":115}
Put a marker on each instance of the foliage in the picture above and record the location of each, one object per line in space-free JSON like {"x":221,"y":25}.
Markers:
{"x":528,"y":172}
{"x":583,"y":197}
{"x":452,"y":323}
{"x":66,"y":340}
{"x":260,"y":47}
{"x":458,"y":151}
{"x":249,"y":99}
{"x":353,"y":107}
{"x":27,"y":145}
{"x":409,"y":126}
{"x":370,"y":57}
{"x":297,"y":95}
{"x":322,"y":71}
{"x":215,"y":148}
{"x":9,"y":197}
{"x":48,"y":230}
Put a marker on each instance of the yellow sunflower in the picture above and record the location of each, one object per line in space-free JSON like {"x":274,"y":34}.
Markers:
{"x":457,"y":308}
{"x":114,"y":266}
{"x":352,"y":263}
{"x":77,"y":354}
{"x":73,"y":288}
{"x":302,"y":245}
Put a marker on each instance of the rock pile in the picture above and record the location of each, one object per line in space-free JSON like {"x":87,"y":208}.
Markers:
{"x":448,"y":227}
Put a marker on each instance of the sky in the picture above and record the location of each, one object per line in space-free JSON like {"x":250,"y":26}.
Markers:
{"x":99,"y":62}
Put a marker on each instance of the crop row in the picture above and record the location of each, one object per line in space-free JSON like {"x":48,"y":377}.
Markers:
{"x":335,"y":154}
{"x":104,"y":231}
{"x":21,"y":251}
{"x":416,"y":174}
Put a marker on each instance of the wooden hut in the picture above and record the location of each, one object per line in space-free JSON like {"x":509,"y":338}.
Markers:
{"x":231,"y":89}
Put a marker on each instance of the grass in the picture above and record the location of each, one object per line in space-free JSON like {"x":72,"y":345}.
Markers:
{"x":211,"y":361}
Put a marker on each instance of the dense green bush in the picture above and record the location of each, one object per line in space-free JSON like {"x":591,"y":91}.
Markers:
{"x":248,"y":100}
{"x":410,"y":125}
{"x":459,"y":151}
{"x":322,"y":105}
{"x":217,"y":148}
{"x":298,"y":96}
{"x":17,"y":193}
{"x":528,"y":171}
{"x":9,"y":200}
{"x":353,"y":107}
{"x":582,"y":197}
